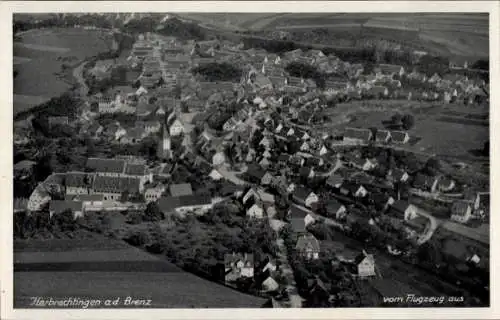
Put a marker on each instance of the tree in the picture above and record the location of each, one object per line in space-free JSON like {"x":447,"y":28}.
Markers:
{"x":64,"y":220}
{"x":153,"y":212}
{"x":408,"y":121}
{"x":397,"y":118}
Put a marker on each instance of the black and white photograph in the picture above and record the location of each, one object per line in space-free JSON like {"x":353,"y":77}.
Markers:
{"x":192,"y":160}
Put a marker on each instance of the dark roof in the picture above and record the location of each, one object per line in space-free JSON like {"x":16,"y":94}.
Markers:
{"x":334,"y":179}
{"x":116,"y":184}
{"x":283,"y":157}
{"x":333,"y":206}
{"x":135,"y":169}
{"x":181,"y":189}
{"x":301,"y":193}
{"x":305,"y":171}
{"x":382,"y":134}
{"x":59,"y":206}
{"x":400,"y":205}
{"x":307,"y":240}
{"x":229,"y":188}
{"x":171,"y":203}
{"x":255,"y":171}
{"x":106,"y":165}
{"x":352,"y":187}
{"x":356,"y":133}
{"x":297,"y":213}
{"x":77,"y":180}
{"x":398,"y":136}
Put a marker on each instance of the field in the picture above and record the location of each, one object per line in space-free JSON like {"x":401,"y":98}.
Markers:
{"x":440,"y":133}
{"x":37,"y":57}
{"x":443,"y":33}
{"x":106,"y":269}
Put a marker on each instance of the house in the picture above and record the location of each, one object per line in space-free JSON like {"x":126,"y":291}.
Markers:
{"x":381,"y":201}
{"x":267,"y":142}
{"x":461,"y":212}
{"x":378,"y":91}
{"x":267,"y":179}
{"x":308,"y":247}
{"x":400,"y":137}
{"x":334,"y":181}
{"x":299,"y":219}
{"x":270,"y":285}
{"x":181,"y":189}
{"x":362,"y":164}
{"x":255,"y":173}
{"x":390,"y":69}
{"x":383,"y":136}
{"x":230,"y":189}
{"x":215,"y":175}
{"x":175,"y":126}
{"x":445,"y":184}
{"x":106,"y":167}
{"x":60,"y":206}
{"x":306,"y":172}
{"x":238,"y":265}
{"x":365,"y":265}
{"x":218,"y":159}
{"x":112,"y":188}
{"x":264,"y":162}
{"x":356,"y":135}
{"x":77,"y":183}
{"x":407,"y":210}
{"x":399,"y":175}
{"x":152,"y":194}
{"x":353,"y":190}
{"x":181,"y":205}
{"x":424,"y":182}
{"x":335,"y":209}
{"x":255,"y":211}
{"x":304,"y":146}
{"x":38,"y":198}
{"x":304,"y":197}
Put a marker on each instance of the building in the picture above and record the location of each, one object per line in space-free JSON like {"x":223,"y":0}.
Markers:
{"x":362,"y":164}
{"x":352,"y":189}
{"x":356,"y":135}
{"x":299,"y":219}
{"x":308,"y":247}
{"x":270,"y":285}
{"x":402,"y":208}
{"x":77,"y":183}
{"x":90,"y":202}
{"x":181,"y":189}
{"x":113,"y":188}
{"x":461,"y":212}
{"x":335,"y":181}
{"x":399,"y":175}
{"x":304,"y":197}
{"x":60,"y":206}
{"x":383,"y":136}
{"x":255,"y":211}
{"x":238,"y":265}
{"x":152,"y":194}
{"x":365,"y":265}
{"x":426,"y":183}
{"x":181,"y":205}
{"x":106,"y":167}
{"x":400,"y":137}
{"x":335,"y":209}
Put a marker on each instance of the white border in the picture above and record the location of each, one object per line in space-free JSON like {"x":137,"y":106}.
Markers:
{"x":6,"y":10}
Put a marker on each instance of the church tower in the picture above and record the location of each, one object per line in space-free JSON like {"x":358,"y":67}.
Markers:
{"x":165,"y":147}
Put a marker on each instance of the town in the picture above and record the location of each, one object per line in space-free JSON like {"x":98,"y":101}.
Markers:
{"x":232,"y":163}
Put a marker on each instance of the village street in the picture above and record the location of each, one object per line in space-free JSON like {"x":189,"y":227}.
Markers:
{"x":295,"y":301}
{"x":433,"y":226}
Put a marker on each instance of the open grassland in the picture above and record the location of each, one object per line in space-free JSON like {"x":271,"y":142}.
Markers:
{"x":103,"y":268}
{"x":38,"y":55}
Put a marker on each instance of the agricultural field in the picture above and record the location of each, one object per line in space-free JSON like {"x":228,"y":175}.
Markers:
{"x":440,"y":133}
{"x":105,"y":269}
{"x":40,"y":54}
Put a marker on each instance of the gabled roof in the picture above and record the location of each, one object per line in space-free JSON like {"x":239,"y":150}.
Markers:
{"x":181,"y":189}
{"x":106,"y":165}
{"x":135,"y":169}
{"x":398,"y":136}
{"x":400,"y":205}
{"x":297,"y":212}
{"x":77,"y":179}
{"x":382,"y":134}
{"x":334,"y":179}
{"x":115,"y":184}
{"x":59,"y":206}
{"x":357,"y":133}
{"x":301,"y":193}
{"x":307,"y":241}
{"x":333,"y":205}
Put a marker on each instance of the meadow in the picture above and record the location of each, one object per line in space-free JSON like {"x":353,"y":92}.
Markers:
{"x":38,"y":56}
{"x":103,"y":268}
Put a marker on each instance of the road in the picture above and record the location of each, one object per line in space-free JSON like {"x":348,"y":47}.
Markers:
{"x":434,"y":224}
{"x":295,"y":301}
{"x":78,"y":75}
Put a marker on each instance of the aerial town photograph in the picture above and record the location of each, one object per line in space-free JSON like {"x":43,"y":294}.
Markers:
{"x":251,"y":160}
